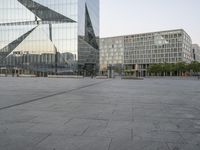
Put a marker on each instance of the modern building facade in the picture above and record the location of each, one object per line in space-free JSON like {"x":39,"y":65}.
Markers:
{"x":111,"y":52}
{"x":196,"y":52}
{"x":49,"y":36}
{"x":142,"y":50}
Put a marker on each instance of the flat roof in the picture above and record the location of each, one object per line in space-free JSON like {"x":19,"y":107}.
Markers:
{"x":145,"y":33}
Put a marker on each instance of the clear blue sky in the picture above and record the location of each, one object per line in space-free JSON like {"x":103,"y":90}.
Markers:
{"x":121,"y":17}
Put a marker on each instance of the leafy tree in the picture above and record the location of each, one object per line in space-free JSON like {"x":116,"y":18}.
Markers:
{"x":173,"y":69}
{"x":155,"y":69}
{"x":194,"y":66}
{"x":181,"y":68}
{"x":166,"y":69}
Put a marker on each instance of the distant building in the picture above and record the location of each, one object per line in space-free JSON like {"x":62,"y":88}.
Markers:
{"x":111,"y":52}
{"x":196,"y":52}
{"x":141,"y":50}
{"x":49,"y":36}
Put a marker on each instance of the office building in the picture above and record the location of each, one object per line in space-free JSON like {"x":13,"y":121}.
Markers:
{"x":111,"y":52}
{"x":196,"y":52}
{"x":49,"y":36}
{"x":141,"y":50}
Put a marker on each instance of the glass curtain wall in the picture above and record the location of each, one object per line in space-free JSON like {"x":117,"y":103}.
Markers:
{"x":39,"y":36}
{"x":88,"y":36}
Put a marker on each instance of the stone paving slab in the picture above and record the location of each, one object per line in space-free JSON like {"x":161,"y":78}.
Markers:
{"x":90,"y":114}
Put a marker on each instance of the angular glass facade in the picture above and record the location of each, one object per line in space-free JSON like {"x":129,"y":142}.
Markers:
{"x":88,"y":40}
{"x":49,"y":36}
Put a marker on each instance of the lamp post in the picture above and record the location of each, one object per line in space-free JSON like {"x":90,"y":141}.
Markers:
{"x":56,"y":60}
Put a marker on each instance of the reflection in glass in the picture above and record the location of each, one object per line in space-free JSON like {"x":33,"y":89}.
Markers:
{"x":50,"y":36}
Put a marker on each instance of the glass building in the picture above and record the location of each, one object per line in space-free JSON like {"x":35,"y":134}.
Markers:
{"x":49,"y":36}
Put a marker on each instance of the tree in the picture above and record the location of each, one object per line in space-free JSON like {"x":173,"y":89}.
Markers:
{"x":177,"y":69}
{"x":173,"y":69}
{"x":194,"y":67}
{"x":167,"y":69}
{"x":181,"y":68}
{"x":155,"y":69}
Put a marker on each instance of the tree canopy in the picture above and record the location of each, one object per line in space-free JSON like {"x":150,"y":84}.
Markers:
{"x":166,"y":69}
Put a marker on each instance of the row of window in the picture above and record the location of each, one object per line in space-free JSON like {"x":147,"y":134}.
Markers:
{"x":129,"y":52}
{"x":154,"y":55}
{"x":161,"y":60}
{"x":134,"y":46}
{"x":164,"y":34}
{"x":110,"y":62}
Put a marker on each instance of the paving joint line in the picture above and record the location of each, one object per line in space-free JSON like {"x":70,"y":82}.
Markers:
{"x":109,"y":146}
{"x":51,"y":95}
{"x":43,"y":139}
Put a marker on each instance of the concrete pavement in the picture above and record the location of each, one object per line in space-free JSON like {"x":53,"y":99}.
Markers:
{"x":90,"y":114}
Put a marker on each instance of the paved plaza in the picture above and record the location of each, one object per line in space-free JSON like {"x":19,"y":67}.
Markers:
{"x":91,"y":114}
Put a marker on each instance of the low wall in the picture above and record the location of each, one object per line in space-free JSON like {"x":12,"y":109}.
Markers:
{"x":174,"y":77}
{"x":132,"y":78}
{"x":2,"y":75}
{"x":27,"y":75}
{"x":65,"y":76}
{"x":101,"y":77}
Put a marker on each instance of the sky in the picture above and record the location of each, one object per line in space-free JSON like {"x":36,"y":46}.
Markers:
{"x":123,"y":17}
